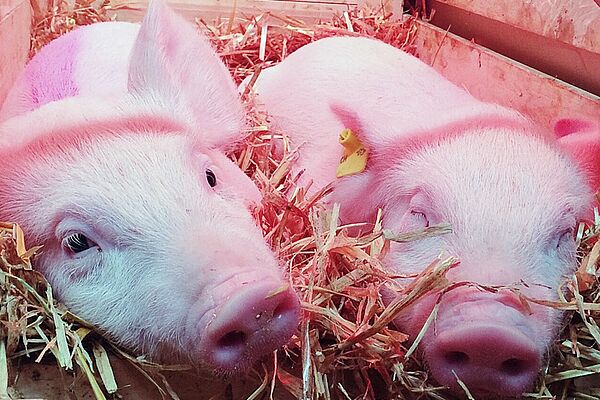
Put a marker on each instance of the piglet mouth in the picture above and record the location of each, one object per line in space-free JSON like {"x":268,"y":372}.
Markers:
{"x":249,"y":326}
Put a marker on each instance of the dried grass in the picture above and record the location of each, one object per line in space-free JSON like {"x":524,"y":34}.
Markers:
{"x":345,"y":348}
{"x":63,"y":16}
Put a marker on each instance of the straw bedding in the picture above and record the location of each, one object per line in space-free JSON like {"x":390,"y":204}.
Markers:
{"x":345,"y":347}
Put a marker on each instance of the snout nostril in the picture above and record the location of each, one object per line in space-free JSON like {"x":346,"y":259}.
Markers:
{"x":233,"y":339}
{"x":456,"y":357}
{"x":513,"y":366}
{"x":249,"y":325}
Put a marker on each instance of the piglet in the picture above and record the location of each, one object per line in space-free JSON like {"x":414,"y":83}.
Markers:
{"x":113,"y":157}
{"x":511,"y":192}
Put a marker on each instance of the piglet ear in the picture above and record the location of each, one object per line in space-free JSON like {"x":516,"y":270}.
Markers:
{"x":371,"y":132}
{"x":581,"y":140}
{"x":174,"y":65}
{"x":351,"y":120}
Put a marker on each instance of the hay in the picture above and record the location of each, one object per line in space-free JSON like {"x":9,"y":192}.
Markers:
{"x":63,"y":16}
{"x":345,"y":347}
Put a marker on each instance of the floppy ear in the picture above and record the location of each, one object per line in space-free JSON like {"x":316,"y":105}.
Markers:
{"x":174,"y":65}
{"x":350,"y":119}
{"x":360,"y":185}
{"x":581,"y":140}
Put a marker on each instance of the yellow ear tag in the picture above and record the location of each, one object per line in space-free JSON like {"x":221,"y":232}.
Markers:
{"x":355,"y":155}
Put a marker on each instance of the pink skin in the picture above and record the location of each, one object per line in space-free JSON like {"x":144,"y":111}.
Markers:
{"x":504,"y":354}
{"x":509,"y":190}
{"x":581,"y":139}
{"x":64,"y":68}
{"x":174,"y":267}
{"x":43,"y":89}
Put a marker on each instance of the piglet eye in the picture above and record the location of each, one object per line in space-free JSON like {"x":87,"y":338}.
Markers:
{"x":211,"y":178}
{"x":418,"y":220}
{"x":78,"y":242}
{"x":566,"y":237}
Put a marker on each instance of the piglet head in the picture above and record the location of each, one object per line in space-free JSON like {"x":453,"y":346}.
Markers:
{"x":145,"y":223}
{"x":512,"y":198}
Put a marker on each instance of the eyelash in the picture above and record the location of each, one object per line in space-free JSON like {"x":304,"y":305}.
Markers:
{"x":421,"y":215}
{"x":569,"y":233}
{"x":211,"y":178}
{"x":78,"y":243}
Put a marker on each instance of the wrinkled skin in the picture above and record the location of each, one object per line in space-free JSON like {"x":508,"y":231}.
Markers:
{"x":510,"y":191}
{"x":113,"y":147}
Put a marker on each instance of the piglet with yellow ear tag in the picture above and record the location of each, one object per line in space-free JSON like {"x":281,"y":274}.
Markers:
{"x":512,"y":193}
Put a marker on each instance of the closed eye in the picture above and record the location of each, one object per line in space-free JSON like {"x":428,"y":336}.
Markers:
{"x":414,"y":220}
{"x":566,"y":237}
{"x":420,"y":218}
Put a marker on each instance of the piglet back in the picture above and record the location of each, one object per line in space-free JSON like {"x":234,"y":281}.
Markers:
{"x":92,"y":60}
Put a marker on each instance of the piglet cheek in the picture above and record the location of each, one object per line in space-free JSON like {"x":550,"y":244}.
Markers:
{"x":233,"y":181}
{"x":411,"y":319}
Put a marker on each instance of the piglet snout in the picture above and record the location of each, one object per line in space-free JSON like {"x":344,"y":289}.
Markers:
{"x":486,"y":358}
{"x":252,"y":324}
{"x":488,"y":345}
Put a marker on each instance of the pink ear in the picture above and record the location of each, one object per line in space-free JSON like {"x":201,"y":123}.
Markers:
{"x":174,"y":65}
{"x":347,"y":117}
{"x":351,"y":120}
{"x":581,"y":140}
{"x":568,"y":126}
